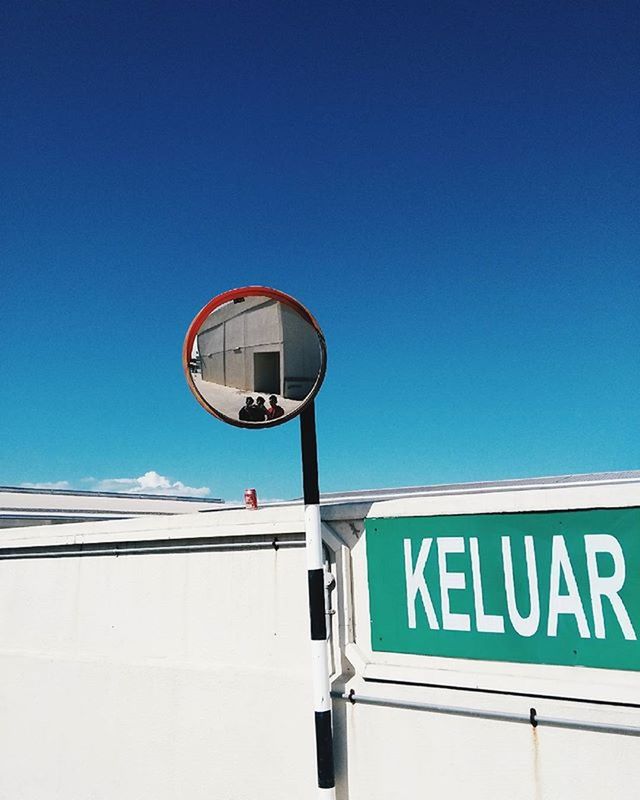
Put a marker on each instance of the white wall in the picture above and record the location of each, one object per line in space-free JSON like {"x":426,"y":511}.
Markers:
{"x":156,"y":676}
{"x":394,"y":751}
{"x":186,"y":674}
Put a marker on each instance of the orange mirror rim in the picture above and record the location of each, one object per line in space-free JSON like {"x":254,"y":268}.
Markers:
{"x":226,"y":297}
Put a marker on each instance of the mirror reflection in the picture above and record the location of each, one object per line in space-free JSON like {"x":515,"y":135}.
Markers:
{"x":255,"y":360}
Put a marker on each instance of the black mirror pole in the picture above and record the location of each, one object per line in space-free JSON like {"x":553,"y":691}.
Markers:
{"x":317,"y":610}
{"x":310,"y":484}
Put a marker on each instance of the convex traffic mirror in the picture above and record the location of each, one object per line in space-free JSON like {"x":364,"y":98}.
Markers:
{"x":254,"y":357}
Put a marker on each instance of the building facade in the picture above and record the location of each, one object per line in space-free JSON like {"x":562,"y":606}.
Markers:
{"x":259,"y":345}
{"x":168,"y":656}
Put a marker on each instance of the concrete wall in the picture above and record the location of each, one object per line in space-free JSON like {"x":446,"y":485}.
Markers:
{"x":232,"y":336}
{"x":211,"y":350}
{"x":301,"y":355}
{"x":169,"y":658}
{"x":238,"y":331}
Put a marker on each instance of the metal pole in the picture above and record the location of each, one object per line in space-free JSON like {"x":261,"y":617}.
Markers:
{"x":317,"y":610}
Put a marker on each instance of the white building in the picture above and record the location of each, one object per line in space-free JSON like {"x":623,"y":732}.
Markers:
{"x":20,"y":506}
{"x":168,"y":656}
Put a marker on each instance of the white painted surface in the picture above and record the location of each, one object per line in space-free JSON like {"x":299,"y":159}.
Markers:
{"x":396,"y":752}
{"x":158,"y":676}
{"x":187,"y":674}
{"x":25,"y":506}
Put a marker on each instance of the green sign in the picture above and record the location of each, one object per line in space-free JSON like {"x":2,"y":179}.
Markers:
{"x":538,"y":588}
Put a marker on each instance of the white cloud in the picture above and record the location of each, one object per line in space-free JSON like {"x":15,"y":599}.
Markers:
{"x":149,"y":483}
{"x":48,"y":485}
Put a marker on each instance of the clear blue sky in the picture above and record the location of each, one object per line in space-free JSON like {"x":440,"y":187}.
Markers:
{"x":451,"y":188}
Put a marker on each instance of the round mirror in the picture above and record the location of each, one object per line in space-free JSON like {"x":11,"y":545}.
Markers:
{"x":254,"y":357}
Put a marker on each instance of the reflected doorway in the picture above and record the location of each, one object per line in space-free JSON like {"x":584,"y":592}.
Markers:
{"x":266,"y":372}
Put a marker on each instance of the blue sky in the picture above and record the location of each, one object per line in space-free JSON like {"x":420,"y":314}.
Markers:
{"x":451,"y":188}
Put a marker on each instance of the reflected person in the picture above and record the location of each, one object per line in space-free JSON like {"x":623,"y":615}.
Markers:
{"x":246,"y":412}
{"x":274,"y":411}
{"x":259,"y":412}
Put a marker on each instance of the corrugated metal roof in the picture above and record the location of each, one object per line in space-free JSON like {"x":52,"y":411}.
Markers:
{"x":485,"y":486}
{"x":119,"y":495}
{"x":20,"y":505}
{"x":372,"y":495}
{"x":26,"y":505}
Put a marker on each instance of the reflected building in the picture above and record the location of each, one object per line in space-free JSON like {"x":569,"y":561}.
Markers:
{"x":257,"y":344}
